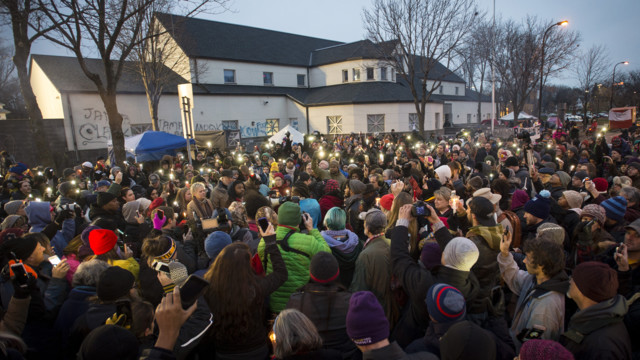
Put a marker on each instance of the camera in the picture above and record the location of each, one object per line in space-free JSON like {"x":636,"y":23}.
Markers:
{"x":293,"y":199}
{"x":419,"y":209}
{"x":67,"y":207}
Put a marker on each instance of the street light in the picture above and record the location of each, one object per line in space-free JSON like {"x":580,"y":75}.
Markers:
{"x":613,"y":77}
{"x":544,"y":38}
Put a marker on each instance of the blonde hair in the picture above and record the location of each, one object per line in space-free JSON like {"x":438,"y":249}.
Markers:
{"x":269,"y":213}
{"x":295,"y":333}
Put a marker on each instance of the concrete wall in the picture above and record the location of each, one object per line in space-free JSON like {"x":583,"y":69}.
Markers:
{"x":249,"y":73}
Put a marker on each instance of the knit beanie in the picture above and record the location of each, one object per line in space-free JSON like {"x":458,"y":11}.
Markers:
{"x":511,"y":161}
{"x":444,"y":173}
{"x":102,"y":241}
{"x":366,"y":322}
{"x":331,"y":185}
{"x":537,"y":349}
{"x":178,"y":273}
{"x":602,"y":185}
{"x":519,"y":198}
{"x":9,"y":221}
{"x":104,"y":198}
{"x":356,"y":187}
{"x":460,"y":254}
{"x":159,"y":201}
{"x":445,"y":303}
{"x":114,"y":283}
{"x":466,"y":340}
{"x":109,"y":342}
{"x":386,"y":202}
{"x":84,"y":236}
{"x":551,"y":232}
{"x":289,"y":214}
{"x":22,"y":247}
{"x":581,"y":175}
{"x":324,"y":268}
{"x":540,"y":205}
{"x":430,"y":256}
{"x":565,"y":178}
{"x":215,"y":242}
{"x":596,"y":280}
{"x":12,"y":207}
{"x":594,"y":211}
{"x":615,"y":208}
{"x":574,"y":199}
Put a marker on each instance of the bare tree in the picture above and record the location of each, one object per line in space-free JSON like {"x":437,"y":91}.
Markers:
{"x":414,"y":36}
{"x":517,"y":58}
{"x":475,"y":57}
{"x":9,"y":85}
{"x":589,"y":70}
{"x":112,"y":29}
{"x":27,"y":26}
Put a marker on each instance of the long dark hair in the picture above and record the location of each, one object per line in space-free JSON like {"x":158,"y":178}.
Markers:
{"x":233,"y":293}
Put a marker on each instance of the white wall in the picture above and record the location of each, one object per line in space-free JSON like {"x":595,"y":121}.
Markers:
{"x":48,"y":97}
{"x":460,"y":109}
{"x":249,"y":73}
{"x":175,"y":57}
{"x":331,"y":74}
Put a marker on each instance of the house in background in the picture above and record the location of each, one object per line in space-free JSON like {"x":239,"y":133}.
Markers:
{"x":3,"y":112}
{"x":256,"y":81}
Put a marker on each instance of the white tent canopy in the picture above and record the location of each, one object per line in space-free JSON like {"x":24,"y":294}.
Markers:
{"x":521,"y":116}
{"x":295,"y":135}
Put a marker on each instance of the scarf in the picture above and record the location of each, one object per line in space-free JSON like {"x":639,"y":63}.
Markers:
{"x":345,"y":245}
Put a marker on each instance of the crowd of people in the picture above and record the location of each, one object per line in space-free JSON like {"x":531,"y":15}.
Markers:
{"x":359,"y":246}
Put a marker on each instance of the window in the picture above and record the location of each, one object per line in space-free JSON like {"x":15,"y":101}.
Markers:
{"x":356,"y":74}
{"x":334,"y":124}
{"x":301,"y":79}
{"x":383,"y":73}
{"x":345,"y":75}
{"x":273,"y":126}
{"x":370,"y":74}
{"x":267,"y":77}
{"x":413,"y":121}
{"x":393,"y":74}
{"x":468,"y":118}
{"x":229,"y":76}
{"x":375,"y":123}
{"x":229,"y":124}
{"x":440,"y":89}
{"x":294,"y":122}
{"x":457,"y":90}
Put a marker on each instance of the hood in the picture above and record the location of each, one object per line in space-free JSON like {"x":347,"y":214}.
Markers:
{"x":129,"y":211}
{"x":586,"y":321}
{"x":39,"y":215}
{"x":558,"y":283}
{"x":492,"y":235}
{"x":342,"y":240}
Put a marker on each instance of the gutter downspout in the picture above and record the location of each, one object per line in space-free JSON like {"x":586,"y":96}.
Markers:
{"x":73,"y":127}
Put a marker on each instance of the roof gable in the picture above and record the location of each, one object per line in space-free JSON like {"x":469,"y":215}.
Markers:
{"x":363,"y":49}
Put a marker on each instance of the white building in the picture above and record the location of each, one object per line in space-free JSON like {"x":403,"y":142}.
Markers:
{"x":256,"y":81}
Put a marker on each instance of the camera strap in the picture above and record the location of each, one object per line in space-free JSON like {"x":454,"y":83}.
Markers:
{"x":284,"y":244}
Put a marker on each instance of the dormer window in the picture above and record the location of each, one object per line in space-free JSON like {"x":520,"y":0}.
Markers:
{"x":345,"y":75}
{"x":229,"y":76}
{"x":383,"y":73}
{"x":356,"y":74}
{"x":370,"y":74}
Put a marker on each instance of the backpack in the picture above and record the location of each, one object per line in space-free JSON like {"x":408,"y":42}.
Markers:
{"x":515,"y":225}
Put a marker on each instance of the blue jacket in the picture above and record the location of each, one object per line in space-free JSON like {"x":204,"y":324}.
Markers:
{"x":312,"y":207}
{"x":74,"y":307}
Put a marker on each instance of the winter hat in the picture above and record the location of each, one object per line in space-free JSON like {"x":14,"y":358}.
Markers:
{"x":574,"y":199}
{"x":278,"y":175}
{"x":287,"y":177}
{"x":9,"y":221}
{"x":356,"y":187}
{"x":387,"y":201}
{"x":144,"y":204}
{"x":12,"y":207}
{"x":22,"y":247}
{"x":331,"y":185}
{"x":511,"y":161}
{"x":20,"y":168}
{"x":65,"y":187}
{"x":289,"y":214}
{"x":483,"y":210}
{"x":565,"y":178}
{"x":466,"y":340}
{"x":635,"y":164}
{"x":537,"y":349}
{"x":540,"y":205}
{"x":375,"y":218}
{"x":85,"y":233}
{"x":445,"y":303}
{"x":547,"y":170}
{"x":129,"y":211}
{"x":430,"y":255}
{"x":104,"y":198}
{"x":551,"y":232}
{"x":109,"y":342}
{"x":156,"y":203}
{"x":106,"y":183}
{"x":87,"y":164}
{"x":115,"y":169}
{"x":615,"y":208}
{"x":366,"y":322}
{"x":581,"y":175}
{"x":215,"y":242}
{"x":178,"y":272}
{"x":460,"y":254}
{"x":507,"y":172}
{"x":444,"y":173}
{"x":601,"y":184}
{"x":114,"y":283}
{"x":102,"y":241}
{"x":596,"y":280}
{"x":519,"y":198}
{"x":324,"y":268}
{"x":594,"y":211}
{"x":487,"y":194}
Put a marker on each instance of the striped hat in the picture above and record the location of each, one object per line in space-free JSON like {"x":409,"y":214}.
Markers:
{"x":445,"y":303}
{"x":615,"y":208}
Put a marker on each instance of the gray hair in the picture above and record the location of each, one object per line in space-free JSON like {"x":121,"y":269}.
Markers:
{"x":196,"y":186}
{"x":89,"y":272}
{"x":631,"y":194}
{"x":444,"y":192}
{"x":295,"y":333}
{"x":389,"y":174}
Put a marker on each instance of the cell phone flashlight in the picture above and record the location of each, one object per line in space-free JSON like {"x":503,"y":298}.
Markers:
{"x":54,"y":260}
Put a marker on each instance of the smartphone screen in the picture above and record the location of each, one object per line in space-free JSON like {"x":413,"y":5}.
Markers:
{"x":54,"y":260}
{"x":21,"y":274}
{"x":160,"y":214}
{"x":264,"y":223}
{"x":191,"y":290}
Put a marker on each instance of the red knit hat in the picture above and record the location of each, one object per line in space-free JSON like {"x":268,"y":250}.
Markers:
{"x":601,"y":184}
{"x":102,"y":241}
{"x":156,"y":203}
{"x":596,"y":280}
{"x":536,"y":349}
{"x":278,"y":175}
{"x":387,"y":201}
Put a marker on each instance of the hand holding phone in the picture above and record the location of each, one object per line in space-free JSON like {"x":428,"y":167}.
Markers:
{"x":191,"y":290}
{"x":263,"y":223}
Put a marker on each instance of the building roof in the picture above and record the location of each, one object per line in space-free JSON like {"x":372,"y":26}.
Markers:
{"x":363,"y":49}
{"x":437,"y":72}
{"x":67,"y":76}
{"x":217,"y":40}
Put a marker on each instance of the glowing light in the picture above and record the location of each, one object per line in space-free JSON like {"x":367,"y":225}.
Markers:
{"x":409,"y":137}
{"x":209,"y":144}
{"x":40,"y":173}
{"x":175,"y":203}
{"x":49,"y":190}
{"x":73,"y":182}
{"x":38,"y":199}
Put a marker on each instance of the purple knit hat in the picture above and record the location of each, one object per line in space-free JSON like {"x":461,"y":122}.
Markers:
{"x":536,"y":349}
{"x":85,"y":233}
{"x":431,"y":255}
{"x":519,"y":198}
{"x":366,"y":322}
{"x":594,"y":211}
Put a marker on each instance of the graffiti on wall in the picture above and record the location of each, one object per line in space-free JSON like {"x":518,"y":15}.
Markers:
{"x":95,"y":130}
{"x":175,"y":127}
{"x":259,"y":129}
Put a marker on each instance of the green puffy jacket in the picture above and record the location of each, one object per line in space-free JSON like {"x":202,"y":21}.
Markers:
{"x":297,"y":264}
